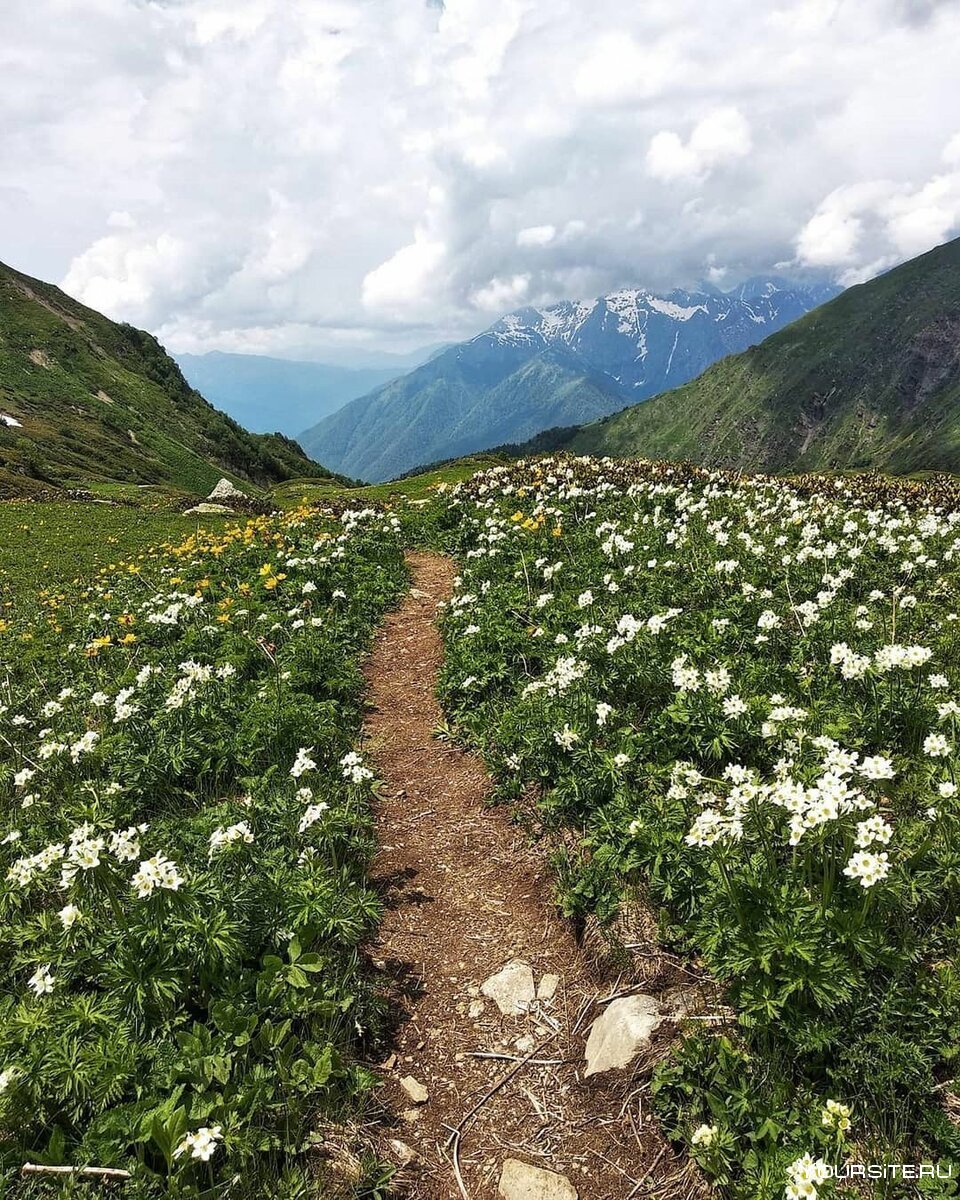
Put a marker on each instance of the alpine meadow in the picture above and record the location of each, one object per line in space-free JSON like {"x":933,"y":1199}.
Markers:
{"x":479,"y":600}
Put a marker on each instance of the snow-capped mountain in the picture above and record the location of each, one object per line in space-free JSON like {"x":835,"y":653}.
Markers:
{"x":536,"y":368}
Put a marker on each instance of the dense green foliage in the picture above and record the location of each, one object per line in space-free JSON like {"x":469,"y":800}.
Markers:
{"x":97,"y":400}
{"x":185,"y":837}
{"x":743,"y":694}
{"x":871,"y":379}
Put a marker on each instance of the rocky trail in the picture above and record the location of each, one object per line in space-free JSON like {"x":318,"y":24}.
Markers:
{"x":489,"y":1085}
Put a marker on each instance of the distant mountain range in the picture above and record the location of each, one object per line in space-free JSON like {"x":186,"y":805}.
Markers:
{"x":83,"y":398}
{"x":271,"y":395}
{"x":563,"y":365}
{"x":870,"y":380}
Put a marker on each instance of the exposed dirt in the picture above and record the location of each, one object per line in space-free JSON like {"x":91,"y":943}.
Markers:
{"x":465,"y":894}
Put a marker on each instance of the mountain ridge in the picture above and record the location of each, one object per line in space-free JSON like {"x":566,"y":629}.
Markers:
{"x":603,"y":354}
{"x":84,"y":398}
{"x":869,"y":380}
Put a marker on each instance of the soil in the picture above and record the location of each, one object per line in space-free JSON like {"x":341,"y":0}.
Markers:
{"x":465,"y":892}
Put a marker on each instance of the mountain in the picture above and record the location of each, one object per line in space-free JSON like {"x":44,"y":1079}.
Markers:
{"x":535,"y":368}
{"x":83,"y":398}
{"x":266,"y":394}
{"x":870,"y":380}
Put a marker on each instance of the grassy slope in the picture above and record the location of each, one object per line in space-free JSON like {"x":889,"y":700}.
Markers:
{"x":54,"y":545}
{"x":871,"y":379}
{"x":102,"y":401}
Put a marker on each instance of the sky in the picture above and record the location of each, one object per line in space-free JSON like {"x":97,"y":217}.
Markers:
{"x":331,"y":177}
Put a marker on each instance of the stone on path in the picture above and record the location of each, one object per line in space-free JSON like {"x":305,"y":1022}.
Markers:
{"x":414,"y":1089}
{"x":547,"y":987}
{"x":520,"y":1181}
{"x":512,"y":988}
{"x":619,"y":1034}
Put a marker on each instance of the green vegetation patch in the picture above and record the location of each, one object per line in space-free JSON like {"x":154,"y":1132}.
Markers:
{"x":184,"y":838}
{"x":743,"y":697}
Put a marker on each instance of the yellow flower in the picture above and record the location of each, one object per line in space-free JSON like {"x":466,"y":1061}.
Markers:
{"x":128,"y":639}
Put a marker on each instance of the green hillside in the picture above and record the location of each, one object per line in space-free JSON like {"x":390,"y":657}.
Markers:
{"x":83,"y":399}
{"x":869,"y":380}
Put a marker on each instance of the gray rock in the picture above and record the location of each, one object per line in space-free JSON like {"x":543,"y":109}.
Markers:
{"x":225,"y":490}
{"x":208,"y":508}
{"x":623,"y":1029}
{"x":512,"y":988}
{"x":520,"y":1181}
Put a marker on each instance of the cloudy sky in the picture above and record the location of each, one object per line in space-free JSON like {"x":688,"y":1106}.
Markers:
{"x":325,"y":176}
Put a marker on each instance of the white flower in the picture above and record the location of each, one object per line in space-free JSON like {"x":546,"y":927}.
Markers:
{"x":873,"y":829}
{"x":353,"y":769}
{"x":7,"y":1077}
{"x":768,"y":619}
{"x":877,"y":767}
{"x":42,"y":981}
{"x":312,"y":814}
{"x":603,"y":712}
{"x":621,"y":760}
{"x":566,"y":737}
{"x":936,"y":745}
{"x":303,"y":762}
{"x":68,"y":915}
{"x":156,"y":872}
{"x":836,"y":1116}
{"x":947,"y":789}
{"x":734,"y":706}
{"x":704,"y":1135}
{"x":867,"y":868}
{"x":202,"y":1144}
{"x":226,"y":837}
{"x":84,"y":744}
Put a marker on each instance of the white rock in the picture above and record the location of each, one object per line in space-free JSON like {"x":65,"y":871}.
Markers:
{"x":547,"y":987}
{"x":225,"y":490}
{"x":204,"y":507}
{"x":512,"y":988}
{"x":520,"y":1181}
{"x":619,"y":1034}
{"x":414,"y":1089}
{"x":12,"y":422}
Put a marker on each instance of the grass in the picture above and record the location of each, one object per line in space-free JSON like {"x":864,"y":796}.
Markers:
{"x":413,"y":487}
{"x":49,"y":546}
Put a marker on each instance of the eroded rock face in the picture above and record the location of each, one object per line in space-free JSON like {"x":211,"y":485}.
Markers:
{"x":520,"y":1181}
{"x":225,"y":490}
{"x":622,"y":1030}
{"x":512,"y":988}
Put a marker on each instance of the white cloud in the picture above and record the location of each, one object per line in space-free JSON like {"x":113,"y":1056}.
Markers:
{"x":722,"y":136}
{"x":295,"y":174}
{"x":500,"y":295}
{"x":402,"y":282}
{"x":863,"y":228}
{"x":537,"y":235}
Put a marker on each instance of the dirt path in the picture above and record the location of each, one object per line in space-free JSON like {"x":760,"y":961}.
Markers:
{"x":465,"y":895}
